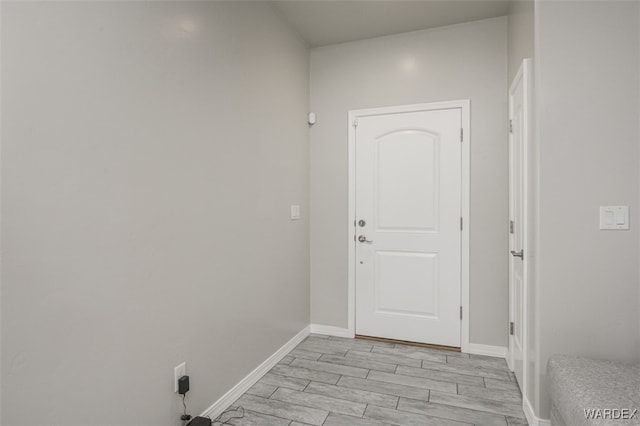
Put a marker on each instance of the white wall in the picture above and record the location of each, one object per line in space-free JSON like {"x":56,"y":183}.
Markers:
{"x":588,"y":62}
{"x":466,"y":61}
{"x":150,"y":152}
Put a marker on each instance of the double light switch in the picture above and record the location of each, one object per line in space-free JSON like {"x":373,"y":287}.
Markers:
{"x":614,"y":217}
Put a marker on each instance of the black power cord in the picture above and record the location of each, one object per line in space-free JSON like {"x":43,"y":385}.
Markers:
{"x":185,"y":416}
{"x":218,"y":422}
{"x":183,"y":388}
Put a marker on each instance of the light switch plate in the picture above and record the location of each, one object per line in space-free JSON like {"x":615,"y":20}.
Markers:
{"x":614,"y":217}
{"x":295,"y":212}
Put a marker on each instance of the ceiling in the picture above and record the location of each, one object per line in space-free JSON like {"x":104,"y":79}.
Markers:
{"x":323,"y":22}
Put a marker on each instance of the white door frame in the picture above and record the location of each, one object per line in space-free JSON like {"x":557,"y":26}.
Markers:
{"x":524,"y":74}
{"x":464,"y":106}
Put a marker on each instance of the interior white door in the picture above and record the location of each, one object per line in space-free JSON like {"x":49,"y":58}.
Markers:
{"x":518,"y":125}
{"x":408,"y":226}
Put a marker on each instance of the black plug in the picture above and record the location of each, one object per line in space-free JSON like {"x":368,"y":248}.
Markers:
{"x":183,"y":385}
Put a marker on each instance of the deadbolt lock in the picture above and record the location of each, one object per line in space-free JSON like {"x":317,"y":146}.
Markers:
{"x":361,"y":223}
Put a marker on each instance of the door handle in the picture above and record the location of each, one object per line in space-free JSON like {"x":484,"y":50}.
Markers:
{"x":519,"y":254}
{"x":363,"y":239}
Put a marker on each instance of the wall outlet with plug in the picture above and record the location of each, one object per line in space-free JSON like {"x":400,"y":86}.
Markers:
{"x":179,"y":371}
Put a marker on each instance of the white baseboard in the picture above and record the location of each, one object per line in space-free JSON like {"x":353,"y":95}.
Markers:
{"x":488,"y":350}
{"x":531,"y":417}
{"x":329,"y":330}
{"x":235,"y":392}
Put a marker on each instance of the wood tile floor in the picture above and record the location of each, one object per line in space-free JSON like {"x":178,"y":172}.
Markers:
{"x":335,"y":381}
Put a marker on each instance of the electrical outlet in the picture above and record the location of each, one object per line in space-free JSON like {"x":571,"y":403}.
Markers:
{"x":178,"y":372}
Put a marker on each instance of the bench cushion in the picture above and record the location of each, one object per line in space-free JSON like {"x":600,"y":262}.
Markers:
{"x":578,"y":383}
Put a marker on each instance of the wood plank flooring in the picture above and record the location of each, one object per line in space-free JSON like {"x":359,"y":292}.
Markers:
{"x":335,"y":381}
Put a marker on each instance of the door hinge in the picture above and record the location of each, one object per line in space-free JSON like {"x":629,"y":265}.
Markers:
{"x":461,"y":224}
{"x":511,"y":227}
{"x":461,"y":312}
{"x":461,"y":134}
{"x":510,"y":126}
{"x":511,"y":328}
{"x":355,"y":122}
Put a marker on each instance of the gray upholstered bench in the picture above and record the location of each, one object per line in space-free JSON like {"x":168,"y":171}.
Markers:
{"x":579,"y":384}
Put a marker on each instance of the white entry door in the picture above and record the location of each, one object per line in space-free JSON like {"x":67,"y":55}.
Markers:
{"x":408,"y":226}
{"x":518,"y":141}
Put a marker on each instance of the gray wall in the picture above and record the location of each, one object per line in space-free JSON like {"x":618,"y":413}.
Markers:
{"x":587,"y":56}
{"x":520,"y":34}
{"x":150,"y":152}
{"x":467,"y":61}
